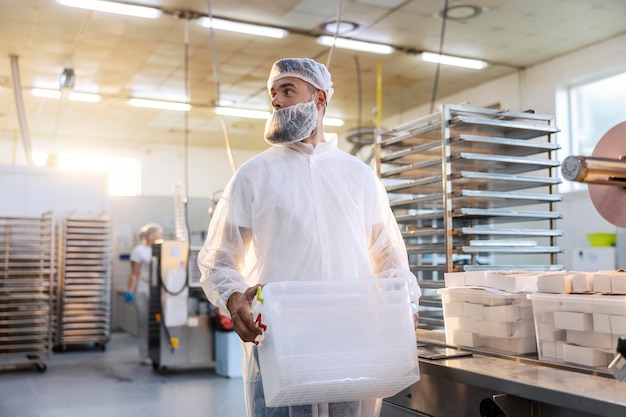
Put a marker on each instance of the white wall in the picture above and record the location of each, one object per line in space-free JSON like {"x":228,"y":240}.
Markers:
{"x":28,"y":191}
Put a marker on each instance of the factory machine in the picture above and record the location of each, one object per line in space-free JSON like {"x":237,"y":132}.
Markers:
{"x":478,"y":382}
{"x":180,"y":330}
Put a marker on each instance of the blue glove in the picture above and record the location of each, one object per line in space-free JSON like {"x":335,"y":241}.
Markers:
{"x":129,"y":297}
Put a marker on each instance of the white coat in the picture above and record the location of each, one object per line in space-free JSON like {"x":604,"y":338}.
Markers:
{"x":314,"y":213}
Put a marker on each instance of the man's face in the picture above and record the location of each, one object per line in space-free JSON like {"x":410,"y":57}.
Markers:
{"x":289,"y":91}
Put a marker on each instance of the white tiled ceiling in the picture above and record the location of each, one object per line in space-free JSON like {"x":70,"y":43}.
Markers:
{"x":123,"y":57}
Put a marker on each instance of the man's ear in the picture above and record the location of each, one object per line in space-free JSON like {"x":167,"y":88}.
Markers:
{"x":321,"y":98}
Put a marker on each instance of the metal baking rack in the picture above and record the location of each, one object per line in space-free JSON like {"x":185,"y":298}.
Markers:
{"x":26,"y":290}
{"x":84,"y":301}
{"x":472,"y":189}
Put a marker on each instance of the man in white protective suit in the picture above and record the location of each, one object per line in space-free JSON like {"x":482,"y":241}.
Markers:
{"x":302,"y":210}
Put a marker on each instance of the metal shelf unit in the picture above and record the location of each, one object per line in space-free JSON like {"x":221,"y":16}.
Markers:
{"x":85,"y":287}
{"x":26,"y":290}
{"x":469,"y":187}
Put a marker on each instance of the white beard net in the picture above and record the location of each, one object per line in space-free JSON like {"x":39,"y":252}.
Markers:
{"x":291,"y":124}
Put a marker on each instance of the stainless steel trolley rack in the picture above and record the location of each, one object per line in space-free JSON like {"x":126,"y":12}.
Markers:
{"x":84,"y":301}
{"x":456,"y":179}
{"x":26,"y":290}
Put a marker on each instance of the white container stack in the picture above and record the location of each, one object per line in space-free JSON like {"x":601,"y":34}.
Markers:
{"x":577,"y":317}
{"x":580,"y":329}
{"x":489,"y":319}
{"x":332,"y":341}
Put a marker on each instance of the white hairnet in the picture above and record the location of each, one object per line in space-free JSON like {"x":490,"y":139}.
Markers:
{"x":148,"y":230}
{"x":305,"y":69}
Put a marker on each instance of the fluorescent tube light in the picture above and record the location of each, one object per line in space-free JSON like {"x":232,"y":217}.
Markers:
{"x":242,"y":27}
{"x":45,"y":93}
{"x":156,"y":104}
{"x":376,"y":48}
{"x":236,"y":112}
{"x":453,"y":60}
{"x":89,"y":97}
{"x":331,"y":121}
{"x":114,"y":7}
{"x":261,"y":114}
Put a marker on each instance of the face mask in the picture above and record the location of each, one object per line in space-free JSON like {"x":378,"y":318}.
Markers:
{"x":291,"y":124}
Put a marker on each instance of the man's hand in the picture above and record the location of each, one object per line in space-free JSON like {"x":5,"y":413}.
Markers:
{"x":239,"y":307}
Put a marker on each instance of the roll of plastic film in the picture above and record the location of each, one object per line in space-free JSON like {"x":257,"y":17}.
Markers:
{"x":610,"y":200}
{"x":592,"y":170}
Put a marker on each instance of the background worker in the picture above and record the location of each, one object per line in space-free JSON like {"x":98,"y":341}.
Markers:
{"x":139,"y":283}
{"x":302,"y":210}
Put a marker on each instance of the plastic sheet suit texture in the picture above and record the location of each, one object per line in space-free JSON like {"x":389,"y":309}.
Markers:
{"x":308,"y":213}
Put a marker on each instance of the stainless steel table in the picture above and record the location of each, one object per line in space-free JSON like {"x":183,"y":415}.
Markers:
{"x":521,"y":387}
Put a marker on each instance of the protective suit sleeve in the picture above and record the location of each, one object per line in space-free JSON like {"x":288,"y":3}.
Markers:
{"x":222,"y":257}
{"x":387,"y":249}
{"x":220,"y":262}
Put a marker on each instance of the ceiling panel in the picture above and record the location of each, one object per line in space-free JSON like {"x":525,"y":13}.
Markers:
{"x":124,"y":57}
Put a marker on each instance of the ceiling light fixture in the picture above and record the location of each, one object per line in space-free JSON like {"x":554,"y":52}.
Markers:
{"x":88,"y":97}
{"x":246,"y":113}
{"x":453,"y":60}
{"x":263,"y":115}
{"x":340,"y":27}
{"x":377,"y":48}
{"x":45,"y":93}
{"x":461,"y":12}
{"x":331,"y":121}
{"x":162,"y":105}
{"x":114,"y":7}
{"x":245,"y":28}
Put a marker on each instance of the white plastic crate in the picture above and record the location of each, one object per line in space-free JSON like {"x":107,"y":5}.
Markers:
{"x":332,"y":341}
{"x":578,"y":329}
{"x":488,"y":319}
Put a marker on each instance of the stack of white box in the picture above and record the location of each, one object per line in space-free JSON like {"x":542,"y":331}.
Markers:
{"x":582,"y":328}
{"x":490,"y":310}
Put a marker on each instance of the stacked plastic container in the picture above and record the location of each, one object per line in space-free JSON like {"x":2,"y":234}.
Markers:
{"x":570,"y":318}
{"x":579,"y":317}
{"x":332,"y":341}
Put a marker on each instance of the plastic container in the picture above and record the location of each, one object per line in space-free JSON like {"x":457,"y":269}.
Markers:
{"x":601,"y":239}
{"x":488,"y":320}
{"x":332,"y":341}
{"x":578,"y":329}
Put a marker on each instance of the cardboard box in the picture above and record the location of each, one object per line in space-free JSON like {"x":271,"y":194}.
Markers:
{"x":454,"y":279}
{"x":512,"y":281}
{"x":571,"y":320}
{"x":492,"y":320}
{"x":582,"y":282}
{"x":586,"y":356}
{"x":601,"y":282}
{"x":555,"y":282}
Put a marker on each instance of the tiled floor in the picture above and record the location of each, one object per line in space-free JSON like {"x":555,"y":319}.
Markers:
{"x":111,"y":383}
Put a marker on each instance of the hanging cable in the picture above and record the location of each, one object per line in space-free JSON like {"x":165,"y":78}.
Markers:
{"x":441,"y":39}
{"x":229,"y":150}
{"x":359,"y":91}
{"x":187,"y":100}
{"x":331,"y":53}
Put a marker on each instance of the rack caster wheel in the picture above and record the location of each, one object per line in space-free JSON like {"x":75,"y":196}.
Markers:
{"x":41,"y":367}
